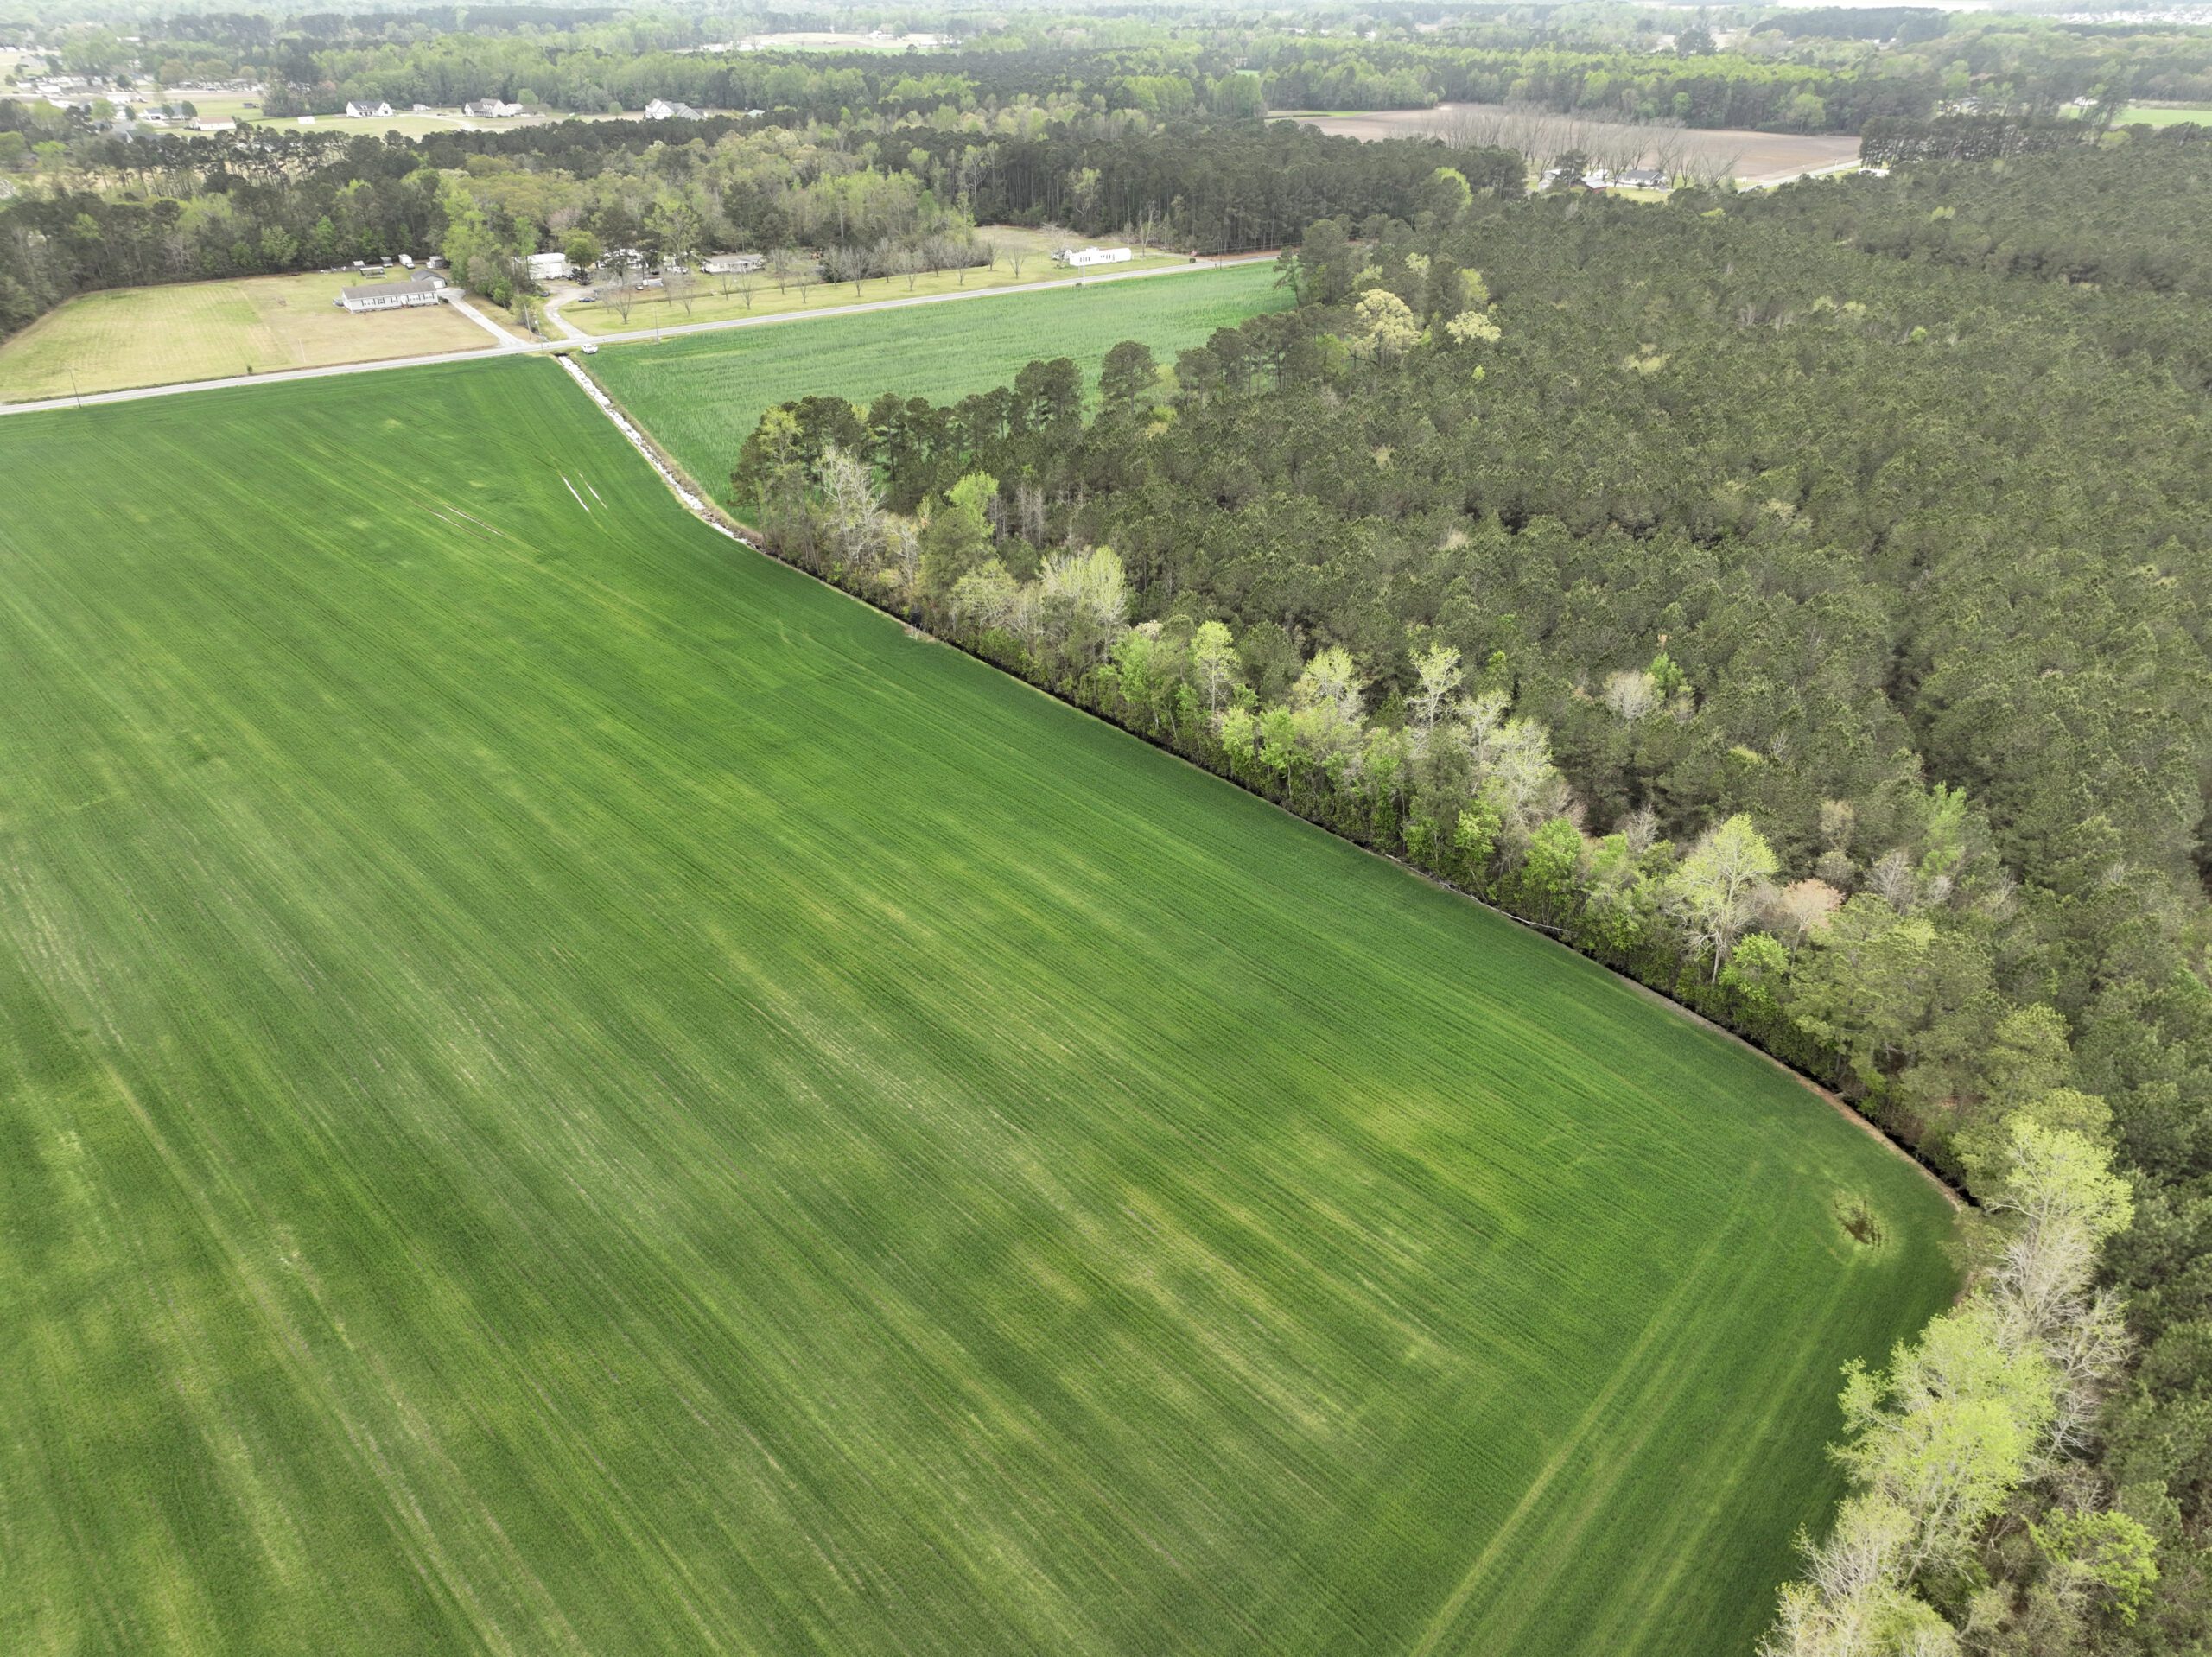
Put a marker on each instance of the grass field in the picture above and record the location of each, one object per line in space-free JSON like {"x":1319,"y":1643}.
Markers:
{"x":566,"y":1089}
{"x":2156,"y":115}
{"x":234,"y":104}
{"x":213,"y":330}
{"x":2165,"y":115}
{"x":701,"y":395}
{"x":654,"y":309}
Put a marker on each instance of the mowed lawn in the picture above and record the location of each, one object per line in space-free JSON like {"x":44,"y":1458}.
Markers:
{"x":215,"y":330}
{"x":565,"y":1088}
{"x":701,"y":395}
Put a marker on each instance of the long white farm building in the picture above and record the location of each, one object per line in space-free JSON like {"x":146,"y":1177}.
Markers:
{"x":424,"y":289}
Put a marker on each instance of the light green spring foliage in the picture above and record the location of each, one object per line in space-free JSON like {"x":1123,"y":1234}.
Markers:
{"x":1945,"y":1432}
{"x":1473,"y":328}
{"x":1385,"y":326}
{"x":1987,"y":1398}
{"x":2109,"y":1556}
{"x":2061,"y":1184}
{"x":1213,"y":662}
{"x":1722,"y":884}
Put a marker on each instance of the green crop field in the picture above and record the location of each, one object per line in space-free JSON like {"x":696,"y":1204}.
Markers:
{"x":565,"y":1089}
{"x":702,"y":394}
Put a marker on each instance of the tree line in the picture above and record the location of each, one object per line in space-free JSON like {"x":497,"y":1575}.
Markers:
{"x":1815,"y":635}
{"x":167,"y":208}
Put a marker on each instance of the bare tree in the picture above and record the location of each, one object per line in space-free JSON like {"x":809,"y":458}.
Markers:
{"x":679,"y":286}
{"x":620,"y":291}
{"x":851,"y":509}
{"x":1029,"y":512}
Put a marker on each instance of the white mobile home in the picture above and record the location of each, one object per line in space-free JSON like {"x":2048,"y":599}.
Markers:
{"x":1081,"y":258}
{"x":424,"y":289}
{"x":547,"y":267}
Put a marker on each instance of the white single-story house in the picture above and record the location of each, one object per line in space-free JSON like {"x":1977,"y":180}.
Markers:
{"x":367,"y":112}
{"x":490,"y":109}
{"x":425,"y":289}
{"x":661,"y":109}
{"x":547,"y":267}
{"x":214,"y":123}
{"x":1079,"y":258}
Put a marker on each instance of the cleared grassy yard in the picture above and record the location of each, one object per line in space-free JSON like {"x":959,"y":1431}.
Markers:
{"x":213,"y":330}
{"x":566,"y":1089}
{"x":2165,"y":115}
{"x":701,"y":395}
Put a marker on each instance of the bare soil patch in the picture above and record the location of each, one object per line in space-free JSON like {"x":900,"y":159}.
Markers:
{"x":1754,"y":157}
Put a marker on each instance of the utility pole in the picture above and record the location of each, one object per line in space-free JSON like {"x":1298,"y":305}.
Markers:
{"x":78,"y":395}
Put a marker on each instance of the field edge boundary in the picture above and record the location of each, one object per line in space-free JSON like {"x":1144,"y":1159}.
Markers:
{"x":702,"y":505}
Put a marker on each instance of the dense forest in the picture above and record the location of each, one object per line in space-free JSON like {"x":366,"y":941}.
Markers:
{"x":1808,"y":622}
{"x":1150,"y":127}
{"x":178,"y":207}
